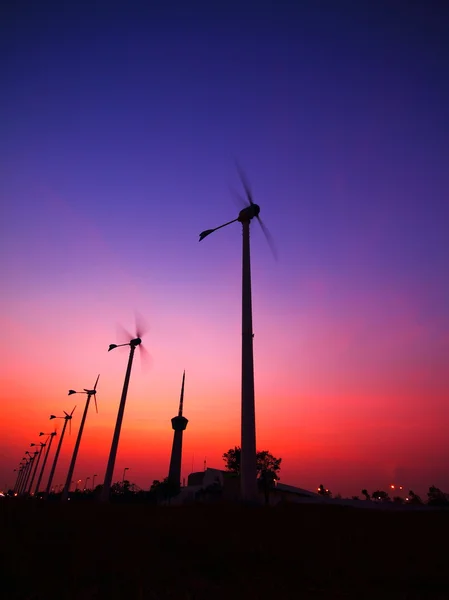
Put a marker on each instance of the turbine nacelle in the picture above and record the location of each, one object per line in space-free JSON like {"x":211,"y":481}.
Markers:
{"x":248,"y":213}
{"x":133,"y":343}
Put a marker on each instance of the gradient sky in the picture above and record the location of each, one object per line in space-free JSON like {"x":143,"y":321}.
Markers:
{"x":120,"y":123}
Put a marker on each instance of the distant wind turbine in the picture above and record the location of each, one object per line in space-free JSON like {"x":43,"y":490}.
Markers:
{"x":248,"y":471}
{"x":67,"y":419}
{"x":42,"y":446}
{"x":133,"y":343}
{"x":90,"y":393}
{"x":49,"y":442}
{"x":29,"y":470}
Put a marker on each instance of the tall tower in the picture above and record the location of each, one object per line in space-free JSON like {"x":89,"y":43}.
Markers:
{"x":178,"y":423}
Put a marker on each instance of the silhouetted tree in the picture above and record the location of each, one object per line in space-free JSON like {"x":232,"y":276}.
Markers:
{"x":267,"y":466}
{"x":355,"y":498}
{"x":435,"y":497}
{"x":163,"y":490}
{"x":121,"y":487}
{"x":381,"y":495}
{"x":398,"y":500}
{"x":265,"y":461}
{"x":413,"y":498}
{"x":366,"y":494}
{"x":324,"y":491}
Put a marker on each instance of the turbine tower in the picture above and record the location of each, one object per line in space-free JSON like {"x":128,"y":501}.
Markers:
{"x":90,"y":393}
{"x":67,"y":419}
{"x":248,"y":472}
{"x":133,"y":344}
{"x":179,"y":423}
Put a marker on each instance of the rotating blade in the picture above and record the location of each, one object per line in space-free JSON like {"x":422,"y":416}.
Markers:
{"x":96,"y":407}
{"x":268,"y":237}
{"x":142,"y":326}
{"x":123,"y":335}
{"x":95,"y":386}
{"x":245,"y":183}
{"x":70,"y":426}
{"x":72,"y":410}
{"x":239,"y":199}
{"x":146,"y":360}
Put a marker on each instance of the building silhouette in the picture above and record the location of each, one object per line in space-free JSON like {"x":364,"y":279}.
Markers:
{"x":179,"y":423}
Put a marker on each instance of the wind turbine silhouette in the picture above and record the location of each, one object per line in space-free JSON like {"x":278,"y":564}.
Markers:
{"x":50,"y":437}
{"x":133,"y":343}
{"x":30,"y":469}
{"x":67,"y":419}
{"x":42,"y":446}
{"x":90,"y":393}
{"x":20,"y":472}
{"x":25,"y":466}
{"x":248,"y":472}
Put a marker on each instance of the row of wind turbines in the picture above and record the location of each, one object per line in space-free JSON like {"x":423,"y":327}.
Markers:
{"x":29,"y":465}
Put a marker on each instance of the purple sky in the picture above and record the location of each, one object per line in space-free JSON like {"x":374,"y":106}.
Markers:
{"x":120,"y":125}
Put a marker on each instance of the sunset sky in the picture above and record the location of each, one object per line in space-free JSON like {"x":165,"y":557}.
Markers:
{"x":120,"y":125}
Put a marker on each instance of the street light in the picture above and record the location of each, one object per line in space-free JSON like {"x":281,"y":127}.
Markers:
{"x":85,"y":484}
{"x":93,"y":482}
{"x":123,"y":478}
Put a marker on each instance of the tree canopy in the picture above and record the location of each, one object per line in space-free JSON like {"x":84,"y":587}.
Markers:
{"x":266,"y":463}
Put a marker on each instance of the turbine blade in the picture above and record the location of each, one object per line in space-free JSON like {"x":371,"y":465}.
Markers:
{"x":245,"y":183}
{"x":123,"y":335}
{"x":95,"y":386}
{"x":65,"y":413}
{"x":141,"y":324}
{"x":239,"y":199}
{"x":96,"y":407}
{"x":72,"y":410}
{"x":268,"y":237}
{"x":70,"y":426}
{"x":146,"y":360}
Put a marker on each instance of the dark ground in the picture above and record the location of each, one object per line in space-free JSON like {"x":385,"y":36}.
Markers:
{"x":139,"y":552}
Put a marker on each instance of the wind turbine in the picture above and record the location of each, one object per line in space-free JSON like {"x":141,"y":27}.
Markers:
{"x":29,"y":470}
{"x":104,"y":497}
{"x":90,"y":393}
{"x":50,"y":437}
{"x":67,"y":419}
{"x":20,"y":472}
{"x":248,"y":472}
{"x":42,"y":446}
{"x":25,"y":465}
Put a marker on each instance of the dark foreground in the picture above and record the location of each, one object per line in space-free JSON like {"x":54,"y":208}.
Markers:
{"x":85,"y":552}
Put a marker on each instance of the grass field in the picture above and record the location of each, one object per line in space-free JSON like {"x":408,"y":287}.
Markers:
{"x":137,"y":552}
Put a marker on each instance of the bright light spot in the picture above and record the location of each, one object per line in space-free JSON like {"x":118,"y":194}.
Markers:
{"x":407,"y":498}
{"x":400,"y":487}
{"x":392,"y":487}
